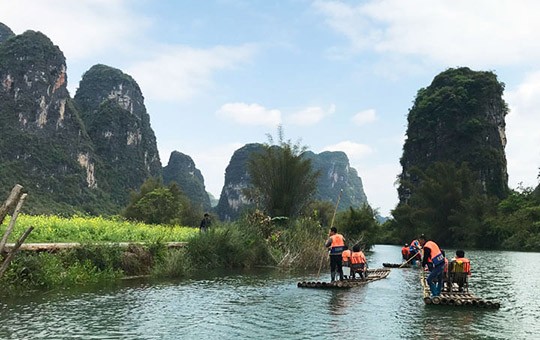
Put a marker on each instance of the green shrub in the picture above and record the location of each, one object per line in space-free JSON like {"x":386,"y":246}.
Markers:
{"x":173,"y":265}
{"x":300,"y":246}
{"x":235,"y":245}
{"x":31,"y":271}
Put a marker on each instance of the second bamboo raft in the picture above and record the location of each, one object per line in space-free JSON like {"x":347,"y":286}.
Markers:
{"x":455,"y":298}
{"x":373,"y":275}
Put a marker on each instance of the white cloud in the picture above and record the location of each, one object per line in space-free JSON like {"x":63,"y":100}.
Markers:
{"x":311,"y":115}
{"x":364,"y":117}
{"x":378,"y":182}
{"x":523,"y":132}
{"x":80,"y":28}
{"x":250,"y":114}
{"x":178,"y":73}
{"x":354,"y":151}
{"x":459,"y":32}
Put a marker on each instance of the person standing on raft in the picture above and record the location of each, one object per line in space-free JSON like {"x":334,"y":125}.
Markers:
{"x":336,"y":244}
{"x":434,"y":259}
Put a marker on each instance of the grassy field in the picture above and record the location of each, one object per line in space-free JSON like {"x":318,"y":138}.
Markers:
{"x":94,"y":229}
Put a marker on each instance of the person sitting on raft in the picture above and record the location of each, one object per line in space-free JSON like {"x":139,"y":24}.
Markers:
{"x":346,"y":258}
{"x":336,"y":243}
{"x":405,"y":252}
{"x":434,"y":260}
{"x":358,"y":262}
{"x":414,"y":251}
{"x":460,"y":264}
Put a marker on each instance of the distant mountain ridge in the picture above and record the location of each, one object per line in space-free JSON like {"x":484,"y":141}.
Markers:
{"x":74,"y":155}
{"x":336,"y":175}
{"x":44,"y":144}
{"x":85,"y":154}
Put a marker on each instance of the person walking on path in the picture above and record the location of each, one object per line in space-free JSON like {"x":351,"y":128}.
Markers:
{"x":336,"y":243}
{"x":434,"y":259}
{"x":205,"y":223}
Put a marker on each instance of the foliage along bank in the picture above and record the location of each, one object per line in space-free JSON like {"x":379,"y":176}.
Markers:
{"x":254,"y":240}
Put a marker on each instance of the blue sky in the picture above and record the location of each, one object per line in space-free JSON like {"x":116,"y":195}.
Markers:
{"x":338,"y":75}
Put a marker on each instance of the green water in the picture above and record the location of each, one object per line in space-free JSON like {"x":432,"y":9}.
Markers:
{"x":267,"y":304}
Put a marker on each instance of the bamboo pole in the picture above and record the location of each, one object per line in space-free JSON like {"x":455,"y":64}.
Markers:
{"x":12,"y":199}
{"x":12,"y":223}
{"x":12,"y":253}
{"x":331,"y":225}
{"x":54,"y":247}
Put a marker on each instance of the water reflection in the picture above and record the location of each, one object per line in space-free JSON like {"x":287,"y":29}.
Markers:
{"x":337,"y":304}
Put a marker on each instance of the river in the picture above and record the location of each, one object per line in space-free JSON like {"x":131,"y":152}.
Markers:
{"x":267,"y":304}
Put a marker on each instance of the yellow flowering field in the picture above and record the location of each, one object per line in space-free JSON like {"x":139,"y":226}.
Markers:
{"x":56,"y":229}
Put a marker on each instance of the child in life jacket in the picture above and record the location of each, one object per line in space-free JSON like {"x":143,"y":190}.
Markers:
{"x":358,"y":263}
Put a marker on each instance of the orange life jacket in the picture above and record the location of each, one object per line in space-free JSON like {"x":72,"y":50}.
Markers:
{"x":466,"y":264}
{"x":346,"y":255}
{"x":405,"y":251}
{"x":414,"y":247}
{"x":435,"y":255}
{"x":338,"y":244}
{"x":358,"y":257}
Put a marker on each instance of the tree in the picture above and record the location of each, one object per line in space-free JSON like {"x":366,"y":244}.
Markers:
{"x":282,"y":180}
{"x":320,"y":211}
{"x":448,"y":205}
{"x":359,"y":226}
{"x":157,"y":204}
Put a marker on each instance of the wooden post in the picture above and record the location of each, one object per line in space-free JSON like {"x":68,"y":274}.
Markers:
{"x":12,"y":253}
{"x":11,"y":223}
{"x":12,"y":199}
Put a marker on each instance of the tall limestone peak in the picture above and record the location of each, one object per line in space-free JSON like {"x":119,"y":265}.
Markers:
{"x":182,"y":170}
{"x":232,"y":199}
{"x":336,"y":175}
{"x":44,"y":145}
{"x":112,"y":108}
{"x":5,"y":33}
{"x":459,"y":118}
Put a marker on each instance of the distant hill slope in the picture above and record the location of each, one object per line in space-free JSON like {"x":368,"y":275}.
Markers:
{"x":5,"y":33}
{"x":336,"y":174}
{"x":181,"y":169}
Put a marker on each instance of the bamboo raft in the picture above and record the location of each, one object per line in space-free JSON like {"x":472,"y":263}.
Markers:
{"x":373,"y":275}
{"x":455,"y":298}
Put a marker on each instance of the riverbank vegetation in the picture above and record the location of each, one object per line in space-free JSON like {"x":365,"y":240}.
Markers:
{"x":450,"y":206}
{"x":254,"y":240}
